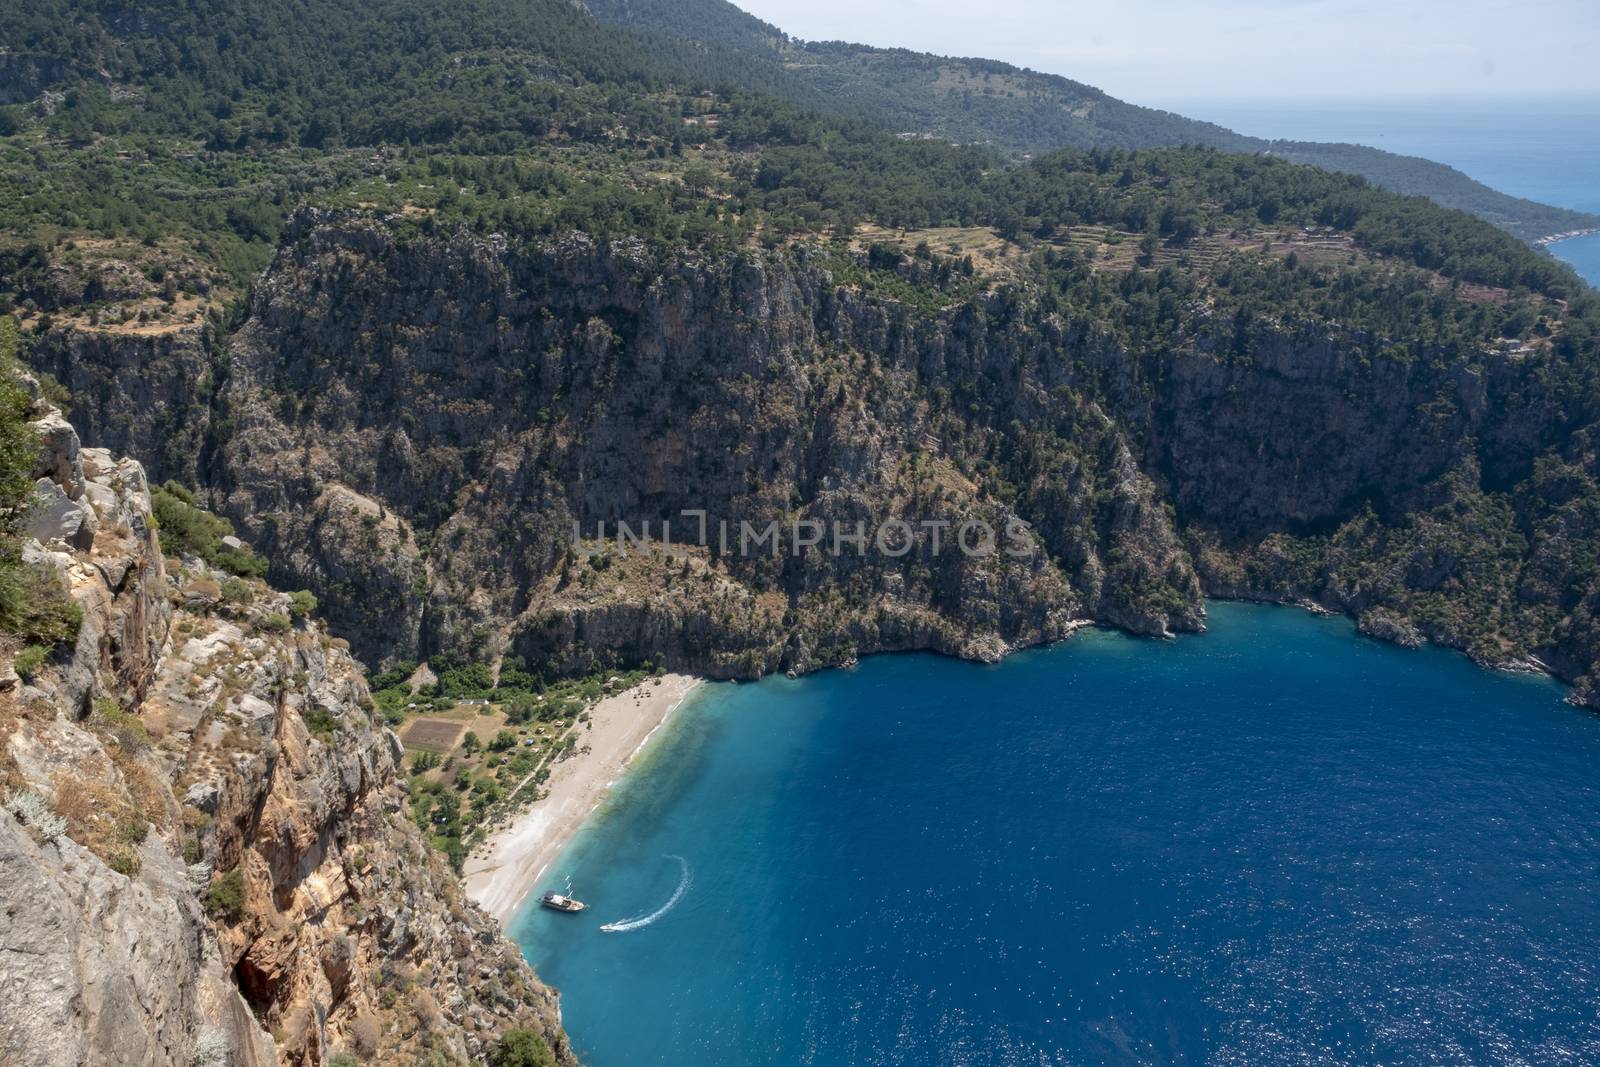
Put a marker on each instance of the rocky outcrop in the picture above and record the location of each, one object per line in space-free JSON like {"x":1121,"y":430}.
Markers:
{"x":204,"y":851}
{"x":101,"y":968}
{"x":23,"y":76}
{"x":91,"y":524}
{"x":1385,"y":625}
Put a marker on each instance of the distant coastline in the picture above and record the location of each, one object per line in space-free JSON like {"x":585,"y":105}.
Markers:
{"x":1572,"y":235}
{"x":501,"y":873}
{"x":1580,"y":251}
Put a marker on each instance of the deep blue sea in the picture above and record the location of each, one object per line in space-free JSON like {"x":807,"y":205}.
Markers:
{"x":1542,"y":148}
{"x":1276,"y":842}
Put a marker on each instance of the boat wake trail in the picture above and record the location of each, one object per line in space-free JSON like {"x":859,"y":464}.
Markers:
{"x":622,"y":926}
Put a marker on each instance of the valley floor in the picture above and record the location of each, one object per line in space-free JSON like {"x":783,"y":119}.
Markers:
{"x":502,"y":872}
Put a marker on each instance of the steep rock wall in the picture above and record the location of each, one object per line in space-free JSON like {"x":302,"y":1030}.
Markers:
{"x":487,"y":399}
{"x":411,"y":427}
{"x":203,"y":849}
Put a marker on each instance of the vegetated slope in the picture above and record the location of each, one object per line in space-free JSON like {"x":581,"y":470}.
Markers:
{"x":1181,"y":370}
{"x":193,"y":127}
{"x":1020,"y":111}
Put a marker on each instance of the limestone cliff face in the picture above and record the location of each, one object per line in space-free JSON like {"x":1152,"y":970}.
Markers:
{"x":424,"y":422}
{"x":1294,"y":426}
{"x":204,"y":856}
{"x":411,"y":427}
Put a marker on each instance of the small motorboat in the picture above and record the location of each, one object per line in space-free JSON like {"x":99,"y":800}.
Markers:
{"x":561,"y":902}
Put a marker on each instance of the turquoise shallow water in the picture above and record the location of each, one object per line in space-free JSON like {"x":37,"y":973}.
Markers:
{"x":1277,"y":842}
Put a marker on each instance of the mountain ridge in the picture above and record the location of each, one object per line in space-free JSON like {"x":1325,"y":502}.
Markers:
{"x":1022,"y":111}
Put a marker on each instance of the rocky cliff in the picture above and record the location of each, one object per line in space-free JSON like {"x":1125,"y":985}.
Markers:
{"x":415,"y":428}
{"x":203,"y":853}
{"x":412,"y":425}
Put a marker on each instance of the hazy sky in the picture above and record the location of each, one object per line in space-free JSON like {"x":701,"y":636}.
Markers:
{"x":1167,"y":51}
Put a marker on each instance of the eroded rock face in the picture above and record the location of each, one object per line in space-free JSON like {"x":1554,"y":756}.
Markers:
{"x":24,"y":77}
{"x":97,"y":967}
{"x":141,"y":395}
{"x":411,"y":428}
{"x":204,"y":839}
{"x":56,"y":518}
{"x":462,"y":405}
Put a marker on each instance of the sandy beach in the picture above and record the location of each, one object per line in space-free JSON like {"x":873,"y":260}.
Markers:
{"x":501,"y":873}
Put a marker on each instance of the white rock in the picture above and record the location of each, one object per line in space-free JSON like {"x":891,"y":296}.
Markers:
{"x":204,"y":795}
{"x":59,"y":458}
{"x":262,"y":715}
{"x":97,"y":462}
{"x":130,"y":475}
{"x":36,"y":553}
{"x":104,"y":498}
{"x":56,"y":517}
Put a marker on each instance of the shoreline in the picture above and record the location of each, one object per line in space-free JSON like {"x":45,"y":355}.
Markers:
{"x":501,"y":873}
{"x":1556,"y":238}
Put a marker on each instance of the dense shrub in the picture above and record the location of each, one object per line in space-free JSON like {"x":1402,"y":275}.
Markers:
{"x":319,"y":721}
{"x":188,"y":529}
{"x":273,"y":623}
{"x":522,"y":1048}
{"x":237,"y":591}
{"x":43,"y":611}
{"x":393,"y":676}
{"x":28,"y":660}
{"x":224,"y":901}
{"x":33,"y":604}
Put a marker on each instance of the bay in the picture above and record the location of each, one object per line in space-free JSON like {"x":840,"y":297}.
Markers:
{"x":1276,"y":841}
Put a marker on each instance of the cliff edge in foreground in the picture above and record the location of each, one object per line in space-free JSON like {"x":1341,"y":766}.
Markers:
{"x":204,"y":857}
